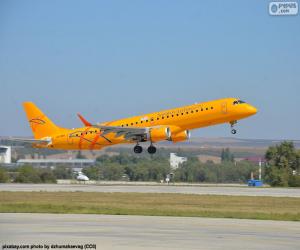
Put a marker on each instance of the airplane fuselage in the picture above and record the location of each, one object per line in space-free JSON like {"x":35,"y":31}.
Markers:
{"x":178,"y":120}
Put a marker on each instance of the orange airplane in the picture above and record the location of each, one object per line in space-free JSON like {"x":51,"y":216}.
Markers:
{"x":172,"y":125}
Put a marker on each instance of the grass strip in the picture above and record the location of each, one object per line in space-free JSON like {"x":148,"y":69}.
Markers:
{"x":152,"y":204}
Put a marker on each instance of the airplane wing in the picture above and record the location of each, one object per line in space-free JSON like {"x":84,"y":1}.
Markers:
{"x":28,"y":140}
{"x":84,"y":121}
{"x":128,"y":132}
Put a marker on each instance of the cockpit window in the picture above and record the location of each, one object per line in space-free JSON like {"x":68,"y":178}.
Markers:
{"x":238,"y":102}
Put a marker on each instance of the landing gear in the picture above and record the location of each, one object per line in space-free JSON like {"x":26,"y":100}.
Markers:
{"x":151,"y":149}
{"x":233,"y":131}
{"x":137,"y":149}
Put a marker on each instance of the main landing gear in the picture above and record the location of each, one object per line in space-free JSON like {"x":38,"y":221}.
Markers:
{"x":138,"y":149}
{"x":151,"y":149}
{"x":233,"y":131}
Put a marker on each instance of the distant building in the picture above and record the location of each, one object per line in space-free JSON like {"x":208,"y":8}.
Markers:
{"x":176,"y":160}
{"x":73,"y":163}
{"x":5,"y":154}
{"x":256,"y":159}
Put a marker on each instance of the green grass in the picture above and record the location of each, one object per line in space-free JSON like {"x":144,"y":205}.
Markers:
{"x":218,"y":206}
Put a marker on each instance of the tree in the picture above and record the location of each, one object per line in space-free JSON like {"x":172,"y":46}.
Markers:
{"x":62,"y":172}
{"x":47,"y":176}
{"x":28,"y":174}
{"x":283,"y":156}
{"x":278,"y":176}
{"x":3,"y":175}
{"x":92,"y":172}
{"x":112,"y":172}
{"x":283,"y":163}
{"x":226,"y":155}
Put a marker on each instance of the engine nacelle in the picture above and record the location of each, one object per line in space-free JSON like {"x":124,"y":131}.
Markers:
{"x":159,"y":134}
{"x":181,"y":136}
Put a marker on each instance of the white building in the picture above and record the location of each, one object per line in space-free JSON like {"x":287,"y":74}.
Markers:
{"x":5,"y":154}
{"x":176,"y":160}
{"x":74,"y":163}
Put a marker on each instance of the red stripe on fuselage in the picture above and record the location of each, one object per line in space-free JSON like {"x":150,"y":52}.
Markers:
{"x":82,"y":137}
{"x":95,"y":140}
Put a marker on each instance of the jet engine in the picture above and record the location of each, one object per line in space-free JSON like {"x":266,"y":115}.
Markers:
{"x":181,"y":136}
{"x":160,"y":133}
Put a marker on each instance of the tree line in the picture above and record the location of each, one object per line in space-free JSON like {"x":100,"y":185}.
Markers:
{"x":282,"y":169}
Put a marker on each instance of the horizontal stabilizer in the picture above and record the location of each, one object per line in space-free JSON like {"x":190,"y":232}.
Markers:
{"x":33,"y":141}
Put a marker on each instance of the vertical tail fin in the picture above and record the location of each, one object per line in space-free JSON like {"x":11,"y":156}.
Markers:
{"x":40,"y":124}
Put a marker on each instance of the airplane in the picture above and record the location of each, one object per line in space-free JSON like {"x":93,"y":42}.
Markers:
{"x":81,"y":177}
{"x":172,"y":125}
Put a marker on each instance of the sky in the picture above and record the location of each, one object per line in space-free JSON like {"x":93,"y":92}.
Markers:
{"x":113,"y":59}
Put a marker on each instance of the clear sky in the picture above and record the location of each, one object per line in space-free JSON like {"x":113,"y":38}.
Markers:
{"x":113,"y":59}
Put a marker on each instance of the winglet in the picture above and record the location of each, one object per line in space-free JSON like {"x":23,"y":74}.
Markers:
{"x":84,"y":121}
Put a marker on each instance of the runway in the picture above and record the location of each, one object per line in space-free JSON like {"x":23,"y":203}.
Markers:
{"x":142,"y":232}
{"x":211,"y":190}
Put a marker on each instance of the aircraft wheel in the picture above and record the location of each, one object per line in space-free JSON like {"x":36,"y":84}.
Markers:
{"x":137,"y":149}
{"x":151,"y":150}
{"x":233,"y":131}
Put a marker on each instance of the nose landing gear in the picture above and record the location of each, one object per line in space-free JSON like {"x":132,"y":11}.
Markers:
{"x":233,"y":131}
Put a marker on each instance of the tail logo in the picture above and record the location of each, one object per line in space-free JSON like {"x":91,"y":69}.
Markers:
{"x":35,"y":122}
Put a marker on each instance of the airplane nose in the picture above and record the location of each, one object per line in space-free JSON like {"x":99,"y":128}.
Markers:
{"x":251,"y":110}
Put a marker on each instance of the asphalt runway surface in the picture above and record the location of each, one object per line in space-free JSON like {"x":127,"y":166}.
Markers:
{"x":211,"y":190}
{"x":148,"y":232}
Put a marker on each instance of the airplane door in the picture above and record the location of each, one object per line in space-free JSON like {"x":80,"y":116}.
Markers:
{"x":71,"y":138}
{"x":224,"y":107}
